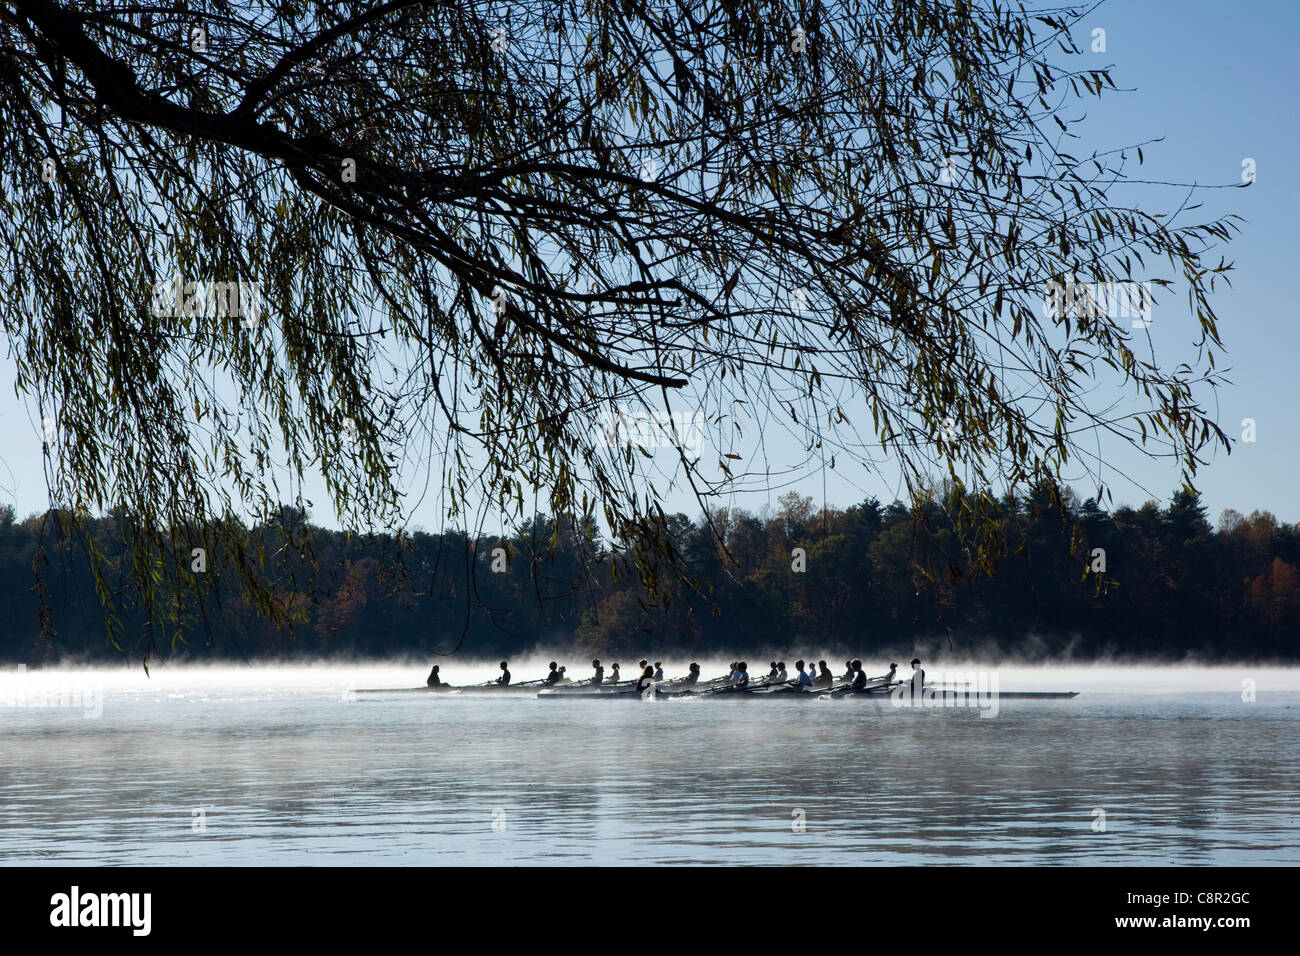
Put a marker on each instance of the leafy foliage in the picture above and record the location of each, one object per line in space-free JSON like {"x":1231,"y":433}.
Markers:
{"x":479,"y":228}
{"x":879,"y":580}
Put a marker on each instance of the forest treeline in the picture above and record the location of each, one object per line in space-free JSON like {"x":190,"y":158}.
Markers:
{"x":1071,"y":580}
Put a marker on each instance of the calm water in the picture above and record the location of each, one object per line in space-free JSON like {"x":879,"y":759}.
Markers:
{"x":276,"y":766}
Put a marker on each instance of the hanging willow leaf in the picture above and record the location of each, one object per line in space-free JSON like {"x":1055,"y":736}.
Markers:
{"x":481,"y":240}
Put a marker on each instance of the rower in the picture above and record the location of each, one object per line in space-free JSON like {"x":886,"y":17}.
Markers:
{"x":434,"y":680}
{"x":599,"y":676}
{"x":646,"y":681}
{"x":771,"y":674}
{"x":693,"y":676}
{"x":889,"y":678}
{"x":735,"y":671}
{"x":613,"y":674}
{"x":782,"y":675}
{"x":659,"y":670}
{"x":803,"y":680}
{"x":825,"y":676}
{"x":848,"y":670}
{"x":742,"y":674}
{"x":641,"y":665}
{"x":554,"y":676}
{"x":918,"y":677}
{"x":504,"y":679}
{"x":859,"y":676}
{"x":563,"y":679}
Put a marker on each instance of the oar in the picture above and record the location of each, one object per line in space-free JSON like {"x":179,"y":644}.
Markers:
{"x":492,"y":683}
{"x":874,"y":683}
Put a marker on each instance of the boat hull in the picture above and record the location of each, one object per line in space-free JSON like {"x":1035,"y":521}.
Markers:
{"x":449,"y":690}
{"x":710,"y":690}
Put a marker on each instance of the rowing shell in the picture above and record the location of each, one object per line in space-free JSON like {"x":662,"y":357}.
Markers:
{"x":709,"y":689}
{"x":530,"y":688}
{"x":940,"y":694}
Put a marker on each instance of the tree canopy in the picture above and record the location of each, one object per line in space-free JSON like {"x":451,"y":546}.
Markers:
{"x":1074,"y":582}
{"x":369,"y":239}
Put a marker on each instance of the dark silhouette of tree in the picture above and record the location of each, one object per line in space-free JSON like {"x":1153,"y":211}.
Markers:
{"x":465,"y":238}
{"x":877,"y":580}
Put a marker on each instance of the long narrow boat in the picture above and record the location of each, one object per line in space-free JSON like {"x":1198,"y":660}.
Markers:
{"x":626,"y":690}
{"x":955,"y":693}
{"x":586,"y":686}
{"x":592,"y":694}
{"x":876,"y":690}
{"x":719,"y":687}
{"x":527,"y":688}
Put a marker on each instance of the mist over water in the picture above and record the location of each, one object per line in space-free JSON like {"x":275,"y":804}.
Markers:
{"x":276,"y":765}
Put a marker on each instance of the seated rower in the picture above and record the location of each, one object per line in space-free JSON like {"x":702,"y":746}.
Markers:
{"x":599,"y":676}
{"x":742,"y":674}
{"x":918,"y":677}
{"x":771,"y":674}
{"x":694,"y":675}
{"x":434,"y":680}
{"x":563,"y":679}
{"x":659,"y":670}
{"x":848,"y":670}
{"x":504,"y":679}
{"x":554,"y":676}
{"x":824,"y":676}
{"x":646,"y":682}
{"x":613,"y":674}
{"x":803,"y":680}
{"x":859,"y":676}
{"x":782,"y":675}
{"x":889,"y":678}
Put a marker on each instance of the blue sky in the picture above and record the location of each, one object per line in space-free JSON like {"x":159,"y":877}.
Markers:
{"x":1217,"y":84}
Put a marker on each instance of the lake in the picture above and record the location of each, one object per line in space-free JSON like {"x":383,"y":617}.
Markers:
{"x":276,"y":765}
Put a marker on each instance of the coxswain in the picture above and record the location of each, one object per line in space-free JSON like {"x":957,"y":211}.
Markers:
{"x":434,"y":680}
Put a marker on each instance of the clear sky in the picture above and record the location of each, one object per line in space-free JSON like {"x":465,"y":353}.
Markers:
{"x":1218,"y":84}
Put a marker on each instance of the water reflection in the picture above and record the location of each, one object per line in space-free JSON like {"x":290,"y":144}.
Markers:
{"x":300,"y":776}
